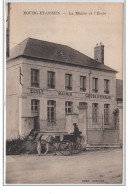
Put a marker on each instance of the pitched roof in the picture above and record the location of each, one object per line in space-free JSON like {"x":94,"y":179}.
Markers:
{"x":55,"y":52}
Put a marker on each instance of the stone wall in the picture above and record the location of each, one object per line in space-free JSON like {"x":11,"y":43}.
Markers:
{"x":102,"y":136}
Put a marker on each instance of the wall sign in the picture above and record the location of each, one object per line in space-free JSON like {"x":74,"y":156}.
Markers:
{"x":97,"y":96}
{"x":36,"y":91}
{"x":61,"y":93}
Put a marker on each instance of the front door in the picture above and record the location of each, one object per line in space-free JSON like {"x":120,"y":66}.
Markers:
{"x":35,"y":113}
{"x":36,"y":123}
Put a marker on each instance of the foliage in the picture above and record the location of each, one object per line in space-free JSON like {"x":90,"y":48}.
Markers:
{"x":20,"y":146}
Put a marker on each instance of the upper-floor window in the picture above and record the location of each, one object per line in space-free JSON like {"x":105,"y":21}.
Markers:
{"x":35,"y":105}
{"x":68,"y":81}
{"x":51,"y":79}
{"x":95,"y":112}
{"x":68,"y":107}
{"x":82,"y":83}
{"x":106,"y":86}
{"x":34,"y":78}
{"x":94,"y":85}
{"x":106,"y":114}
{"x":51,"y":111}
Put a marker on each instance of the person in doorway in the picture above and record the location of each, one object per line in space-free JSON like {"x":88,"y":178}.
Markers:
{"x":77,"y":132}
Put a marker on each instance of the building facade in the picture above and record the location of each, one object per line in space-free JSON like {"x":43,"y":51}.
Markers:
{"x":119,"y":110}
{"x":50,"y":86}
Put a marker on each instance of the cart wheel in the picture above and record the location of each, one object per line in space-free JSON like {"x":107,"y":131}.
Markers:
{"x":65,"y":148}
{"x":76,"y":148}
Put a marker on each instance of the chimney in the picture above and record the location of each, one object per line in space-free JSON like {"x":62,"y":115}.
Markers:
{"x":99,"y":53}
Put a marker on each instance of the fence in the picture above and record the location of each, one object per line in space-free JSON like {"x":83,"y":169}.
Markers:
{"x":101,"y":125}
{"x":101,"y":133}
{"x":97,"y":133}
{"x":102,"y":136}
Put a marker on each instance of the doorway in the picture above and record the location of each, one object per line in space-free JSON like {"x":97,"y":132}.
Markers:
{"x":36,"y":123}
{"x":35,"y":112}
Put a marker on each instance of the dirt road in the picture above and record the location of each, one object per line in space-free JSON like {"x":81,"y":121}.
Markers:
{"x":91,"y":167}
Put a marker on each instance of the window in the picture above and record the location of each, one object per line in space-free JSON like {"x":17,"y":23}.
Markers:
{"x":82,"y":83}
{"x":51,"y":79}
{"x":34,"y":105}
{"x":34,"y":78}
{"x":82,"y":104}
{"x":94,"y":85}
{"x":95,"y":112}
{"x":106,"y":114}
{"x":106,"y":86}
{"x":51,"y":111}
{"x":68,"y":81}
{"x":68,"y":107}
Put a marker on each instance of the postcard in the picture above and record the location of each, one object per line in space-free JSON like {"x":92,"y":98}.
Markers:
{"x":64,"y":93}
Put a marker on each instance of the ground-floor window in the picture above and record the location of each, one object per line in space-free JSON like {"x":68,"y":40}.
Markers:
{"x":34,"y":105}
{"x":51,"y":111}
{"x":68,"y":107}
{"x":95,"y":108}
{"x":82,"y":104}
{"x":106,"y":114}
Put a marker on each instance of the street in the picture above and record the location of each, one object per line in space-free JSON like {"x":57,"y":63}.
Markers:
{"x":88,"y":167}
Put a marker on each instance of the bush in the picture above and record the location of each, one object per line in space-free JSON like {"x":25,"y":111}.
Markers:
{"x":20,"y":146}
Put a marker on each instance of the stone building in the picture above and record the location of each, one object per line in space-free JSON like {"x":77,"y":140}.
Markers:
{"x":119,"y":110}
{"x":50,"y":86}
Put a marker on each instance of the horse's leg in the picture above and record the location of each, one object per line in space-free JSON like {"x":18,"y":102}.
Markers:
{"x":55,"y":149}
{"x":47,"y":148}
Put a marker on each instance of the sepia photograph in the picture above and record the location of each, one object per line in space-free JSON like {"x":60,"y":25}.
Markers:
{"x":64,"y":93}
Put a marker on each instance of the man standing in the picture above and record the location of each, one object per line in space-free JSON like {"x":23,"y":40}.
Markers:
{"x":77,"y":133}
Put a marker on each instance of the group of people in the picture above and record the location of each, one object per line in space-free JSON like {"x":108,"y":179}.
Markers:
{"x":76,"y":134}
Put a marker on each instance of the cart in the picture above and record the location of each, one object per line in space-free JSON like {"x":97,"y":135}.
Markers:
{"x":69,"y":145}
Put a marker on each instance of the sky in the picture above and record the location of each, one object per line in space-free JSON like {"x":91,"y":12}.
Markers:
{"x":99,"y":22}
